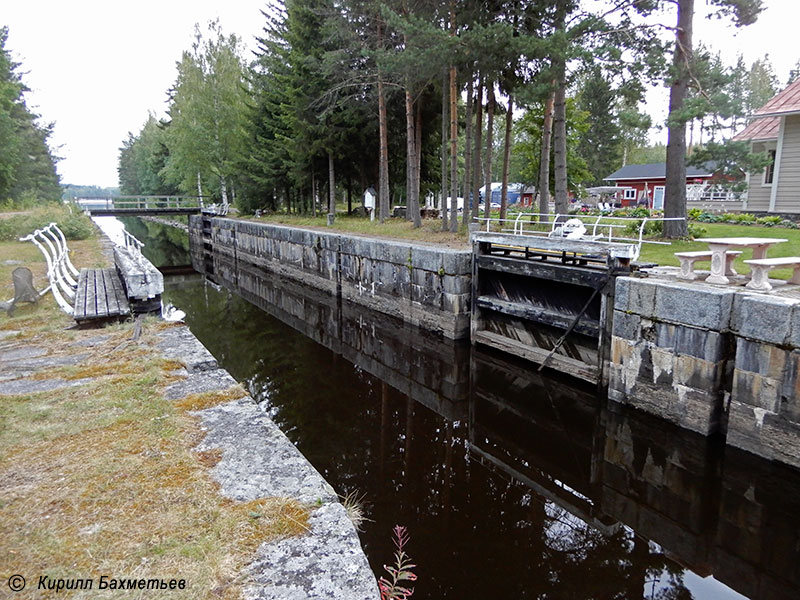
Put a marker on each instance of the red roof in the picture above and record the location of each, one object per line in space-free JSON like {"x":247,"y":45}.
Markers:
{"x":760,"y":130}
{"x":786,"y":102}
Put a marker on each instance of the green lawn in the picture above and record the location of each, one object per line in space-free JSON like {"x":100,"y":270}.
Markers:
{"x":665,"y":255}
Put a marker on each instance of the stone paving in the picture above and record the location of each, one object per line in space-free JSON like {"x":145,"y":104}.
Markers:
{"x":258,"y":461}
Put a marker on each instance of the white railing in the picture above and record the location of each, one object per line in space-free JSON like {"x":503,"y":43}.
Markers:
{"x":61,"y":272}
{"x":131,"y":242}
{"x":602,"y":229}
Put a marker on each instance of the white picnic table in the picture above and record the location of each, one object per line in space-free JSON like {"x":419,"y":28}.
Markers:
{"x":719,"y":246}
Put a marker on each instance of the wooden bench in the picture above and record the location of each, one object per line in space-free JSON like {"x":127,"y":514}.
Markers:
{"x":760,"y":268}
{"x":689,"y":258}
{"x":100,"y":296}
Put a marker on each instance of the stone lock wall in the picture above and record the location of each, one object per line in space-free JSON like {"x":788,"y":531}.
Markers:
{"x":426,"y":286}
{"x":710,"y":359}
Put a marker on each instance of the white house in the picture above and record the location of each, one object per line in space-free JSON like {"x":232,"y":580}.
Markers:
{"x":775,"y":128}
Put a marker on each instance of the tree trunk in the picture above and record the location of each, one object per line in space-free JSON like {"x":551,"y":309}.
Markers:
{"x":331,"y":191}
{"x":675,"y":188}
{"x":223,"y":187}
{"x":465,"y":217}
{"x":443,"y":204}
{"x":383,"y":169}
{"x":314,"y":194}
{"x":418,"y":165}
{"x":476,"y":167}
{"x":506,"y":157}
{"x":412,"y":202}
{"x":544,"y":159}
{"x":560,"y":148}
{"x":487,"y":200}
{"x":453,"y":148}
{"x":199,"y":185}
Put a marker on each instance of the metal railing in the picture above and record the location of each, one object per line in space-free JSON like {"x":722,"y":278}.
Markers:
{"x":61,"y":272}
{"x":141,"y":202}
{"x":602,"y":229}
{"x":132,"y":242}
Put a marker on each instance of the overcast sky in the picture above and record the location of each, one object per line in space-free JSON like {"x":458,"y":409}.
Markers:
{"x":97,"y":67}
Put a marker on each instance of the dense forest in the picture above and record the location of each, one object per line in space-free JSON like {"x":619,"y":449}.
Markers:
{"x":437,"y":99}
{"x":27,"y":165}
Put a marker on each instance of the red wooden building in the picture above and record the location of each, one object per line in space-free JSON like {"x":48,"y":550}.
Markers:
{"x":645,"y":183}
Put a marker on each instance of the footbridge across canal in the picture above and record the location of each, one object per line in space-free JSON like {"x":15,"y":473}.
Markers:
{"x":123,"y":206}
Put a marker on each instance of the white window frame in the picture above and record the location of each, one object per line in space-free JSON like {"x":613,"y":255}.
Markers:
{"x":630,"y":194}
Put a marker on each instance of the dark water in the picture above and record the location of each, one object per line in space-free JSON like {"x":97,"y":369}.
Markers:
{"x":512,"y":485}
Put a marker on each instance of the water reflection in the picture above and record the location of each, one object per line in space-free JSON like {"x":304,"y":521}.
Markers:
{"x":511,"y":484}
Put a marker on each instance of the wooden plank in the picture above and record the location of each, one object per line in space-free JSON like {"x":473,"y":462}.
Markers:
{"x":91,"y":295}
{"x":559,"y":362}
{"x":585,"y":325}
{"x":119,"y":293}
{"x":111,"y":297}
{"x":544,"y":270}
{"x":100,"y":290}
{"x":79,"y":307}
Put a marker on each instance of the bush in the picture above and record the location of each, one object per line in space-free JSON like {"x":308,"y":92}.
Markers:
{"x":695,"y":231}
{"x":694,"y":213}
{"x":744,"y":218}
{"x":74,"y":224}
{"x":769,"y":221}
{"x":708,"y":218}
{"x":788,"y":224}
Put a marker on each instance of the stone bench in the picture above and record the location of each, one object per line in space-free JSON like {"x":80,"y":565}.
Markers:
{"x":689,"y":258}
{"x":760,"y":268}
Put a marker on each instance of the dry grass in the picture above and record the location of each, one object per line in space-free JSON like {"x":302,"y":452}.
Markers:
{"x":102,"y":479}
{"x":205,"y":400}
{"x":400,"y":229}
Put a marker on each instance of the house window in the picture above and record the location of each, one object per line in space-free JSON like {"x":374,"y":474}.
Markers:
{"x":630,"y":194}
{"x":769,"y":172}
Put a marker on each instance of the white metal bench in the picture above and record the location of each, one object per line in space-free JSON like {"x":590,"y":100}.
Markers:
{"x":60,"y":271}
{"x":760,"y":268}
{"x":688,"y":259}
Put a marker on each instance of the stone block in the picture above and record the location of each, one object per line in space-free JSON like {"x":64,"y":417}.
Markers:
{"x":697,"y":373}
{"x":426,"y":259}
{"x":626,"y":325}
{"x":701,"y":307}
{"x":455,"y":303}
{"x":700,"y":343}
{"x":457,"y":284}
{"x":790,"y":391}
{"x":764,"y":318}
{"x":756,"y":390}
{"x":764,"y":359}
{"x":635,"y":295}
{"x":457,"y":262}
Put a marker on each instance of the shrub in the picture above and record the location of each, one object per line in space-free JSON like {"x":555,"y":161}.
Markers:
{"x":788,"y":224}
{"x":694,"y":213}
{"x":695,"y":231}
{"x":769,"y":221}
{"x":744,"y":218}
{"x":709,"y":218}
{"x":74,"y":224}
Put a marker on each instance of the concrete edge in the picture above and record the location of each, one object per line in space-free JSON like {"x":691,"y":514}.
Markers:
{"x":259,"y":461}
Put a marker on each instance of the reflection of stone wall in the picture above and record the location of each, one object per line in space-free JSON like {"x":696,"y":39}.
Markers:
{"x":726,"y":513}
{"x":432,"y":371}
{"x":424,"y":286}
{"x":711,"y":359}
{"x":661,"y":481}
